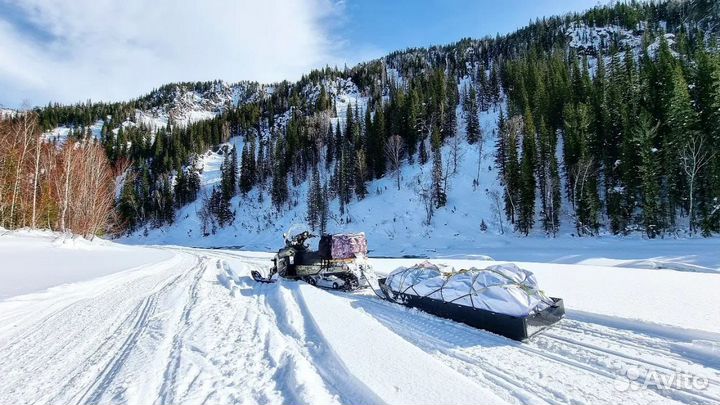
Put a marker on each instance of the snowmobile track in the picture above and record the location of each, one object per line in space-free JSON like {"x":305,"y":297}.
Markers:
{"x":448,"y":344}
{"x":196,"y":329}
{"x":142,"y":313}
{"x":167,"y":393}
{"x":595,"y":357}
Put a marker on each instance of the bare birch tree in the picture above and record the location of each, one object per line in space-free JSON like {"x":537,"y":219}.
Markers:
{"x":67,"y":163}
{"x":424,"y":189}
{"x":694,"y":157}
{"x":36,"y":177}
{"x":583,"y":173}
{"x":24,"y":135}
{"x":456,"y":152}
{"x":496,"y":207}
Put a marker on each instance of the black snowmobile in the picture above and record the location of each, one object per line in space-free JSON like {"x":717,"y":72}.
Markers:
{"x":296,"y":261}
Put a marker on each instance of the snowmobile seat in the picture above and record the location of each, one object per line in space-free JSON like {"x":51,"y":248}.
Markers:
{"x":325,"y":247}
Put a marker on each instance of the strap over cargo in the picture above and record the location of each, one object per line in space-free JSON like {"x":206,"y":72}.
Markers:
{"x":502,"y":288}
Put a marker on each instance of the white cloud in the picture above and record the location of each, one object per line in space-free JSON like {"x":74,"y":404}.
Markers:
{"x":119,"y":49}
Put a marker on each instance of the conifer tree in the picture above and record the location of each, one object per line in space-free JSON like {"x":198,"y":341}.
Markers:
{"x":649,"y":173}
{"x":179,"y":187}
{"x":279,"y":192}
{"x":472,"y":121}
{"x":507,"y":158}
{"x":526,"y":215}
{"x":550,"y":178}
{"x":323,"y":101}
{"x":247,"y":169}
{"x":423,"y":155}
{"x":377,"y":148}
{"x":220,"y":207}
{"x":449,"y":105}
{"x":581,"y":169}
{"x":314,"y":200}
{"x":166,"y":202}
{"x":324,"y":210}
{"x":339,"y":142}
{"x":129,"y":205}
{"x":360,"y":174}
{"x":228,"y":171}
{"x":329,"y":147}
{"x":682,"y":123}
{"x":414,"y":122}
{"x":438,"y":184}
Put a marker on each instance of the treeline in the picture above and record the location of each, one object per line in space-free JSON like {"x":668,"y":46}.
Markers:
{"x":162,"y":176}
{"x":67,"y":187}
{"x":627,"y":137}
{"x":361,"y":145}
{"x":638,"y":138}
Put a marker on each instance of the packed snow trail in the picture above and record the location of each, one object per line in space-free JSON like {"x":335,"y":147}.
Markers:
{"x":194,"y":328}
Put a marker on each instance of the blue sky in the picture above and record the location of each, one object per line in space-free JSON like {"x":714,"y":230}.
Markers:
{"x":68,"y":51}
{"x":392,"y":25}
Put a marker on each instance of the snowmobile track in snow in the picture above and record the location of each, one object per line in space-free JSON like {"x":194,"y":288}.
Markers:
{"x":140,"y":316}
{"x":196,"y":329}
{"x":446,"y":340}
{"x":167,"y":393}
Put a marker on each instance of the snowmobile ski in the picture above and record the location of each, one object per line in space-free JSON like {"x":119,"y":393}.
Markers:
{"x":259,"y":278}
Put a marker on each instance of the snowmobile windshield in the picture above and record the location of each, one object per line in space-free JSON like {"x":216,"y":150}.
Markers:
{"x":295,"y":230}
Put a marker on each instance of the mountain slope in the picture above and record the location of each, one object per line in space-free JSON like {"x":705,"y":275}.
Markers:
{"x":563,"y":96}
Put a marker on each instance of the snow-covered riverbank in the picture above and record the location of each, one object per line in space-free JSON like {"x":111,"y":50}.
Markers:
{"x":124,"y":324}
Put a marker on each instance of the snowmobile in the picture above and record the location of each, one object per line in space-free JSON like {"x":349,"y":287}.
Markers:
{"x":502,"y":299}
{"x":339,"y":263}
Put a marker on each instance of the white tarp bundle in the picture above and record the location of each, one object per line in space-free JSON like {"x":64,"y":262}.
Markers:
{"x":502,"y":288}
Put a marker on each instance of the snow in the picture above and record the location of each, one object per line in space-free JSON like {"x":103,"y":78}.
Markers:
{"x":7,"y":113}
{"x":36,"y":260}
{"x":600,"y":38}
{"x":180,"y":325}
{"x":60,"y":134}
{"x":369,"y":361}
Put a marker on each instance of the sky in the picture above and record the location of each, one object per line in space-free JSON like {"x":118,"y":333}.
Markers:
{"x":110,"y":50}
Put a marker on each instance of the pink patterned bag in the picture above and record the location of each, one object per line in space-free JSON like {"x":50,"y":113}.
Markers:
{"x":349,"y":245}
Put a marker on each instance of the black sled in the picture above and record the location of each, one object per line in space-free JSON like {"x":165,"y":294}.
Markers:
{"x":513,"y":327}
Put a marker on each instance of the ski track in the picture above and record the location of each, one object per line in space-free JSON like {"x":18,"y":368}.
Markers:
{"x":583,"y":371}
{"x":197,"y":329}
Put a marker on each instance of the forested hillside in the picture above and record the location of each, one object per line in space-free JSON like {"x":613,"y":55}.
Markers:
{"x":602,"y":122}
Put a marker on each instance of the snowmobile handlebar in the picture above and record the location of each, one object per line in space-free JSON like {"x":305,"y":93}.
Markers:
{"x":299,"y":239}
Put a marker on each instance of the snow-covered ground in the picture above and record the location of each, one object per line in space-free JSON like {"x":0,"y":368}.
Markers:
{"x":124,"y":324}
{"x":32,"y":261}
